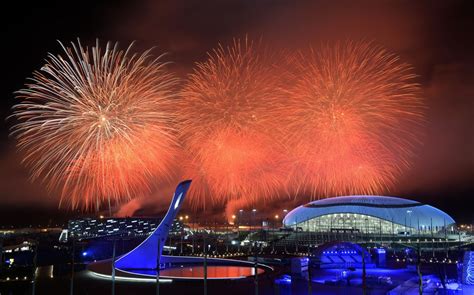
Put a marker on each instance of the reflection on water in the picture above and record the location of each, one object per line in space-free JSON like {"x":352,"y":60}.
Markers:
{"x":213,"y":271}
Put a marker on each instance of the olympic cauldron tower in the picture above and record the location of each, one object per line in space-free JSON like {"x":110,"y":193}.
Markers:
{"x":147,"y":255}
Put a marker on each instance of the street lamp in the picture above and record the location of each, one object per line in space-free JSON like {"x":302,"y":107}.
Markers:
{"x":238,"y":228}
{"x":409,"y":214}
{"x":240,"y":216}
{"x":253,"y":216}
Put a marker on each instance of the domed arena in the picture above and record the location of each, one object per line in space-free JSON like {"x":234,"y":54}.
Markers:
{"x":369,"y":215}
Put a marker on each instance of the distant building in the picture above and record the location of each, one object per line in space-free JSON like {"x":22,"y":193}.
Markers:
{"x":86,"y":228}
{"x":24,"y":246}
{"x":369,"y":215}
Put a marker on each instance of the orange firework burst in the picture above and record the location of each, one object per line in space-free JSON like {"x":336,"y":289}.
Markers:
{"x":96,"y":124}
{"x":227,"y":123}
{"x":353,"y":118}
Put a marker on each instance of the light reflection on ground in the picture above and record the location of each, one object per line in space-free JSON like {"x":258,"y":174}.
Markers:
{"x":397,"y":275}
{"x":197,"y":272}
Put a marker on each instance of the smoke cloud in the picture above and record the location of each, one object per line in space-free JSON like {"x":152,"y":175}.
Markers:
{"x":434,"y":36}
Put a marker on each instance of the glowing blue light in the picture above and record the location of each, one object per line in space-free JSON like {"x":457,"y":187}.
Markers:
{"x":84,"y":254}
{"x":176,"y":204}
{"x":381,"y":251}
{"x":284,"y":280}
{"x":469,"y":269}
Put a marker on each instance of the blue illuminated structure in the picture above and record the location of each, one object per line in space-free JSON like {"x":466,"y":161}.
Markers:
{"x":380,"y":257}
{"x":468,"y":268}
{"x":145,"y":255}
{"x":337,"y":254}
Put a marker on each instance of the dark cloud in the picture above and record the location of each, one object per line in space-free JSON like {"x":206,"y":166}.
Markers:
{"x":15,"y":186}
{"x":446,"y":160}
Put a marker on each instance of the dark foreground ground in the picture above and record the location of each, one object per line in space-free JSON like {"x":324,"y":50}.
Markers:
{"x":86,"y":283}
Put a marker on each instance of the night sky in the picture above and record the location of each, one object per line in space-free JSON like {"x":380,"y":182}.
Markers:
{"x":436,"y":37}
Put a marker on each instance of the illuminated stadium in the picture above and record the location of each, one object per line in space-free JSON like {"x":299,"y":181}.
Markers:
{"x":369,"y":215}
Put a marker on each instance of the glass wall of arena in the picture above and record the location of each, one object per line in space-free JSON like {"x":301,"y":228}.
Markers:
{"x":359,"y":223}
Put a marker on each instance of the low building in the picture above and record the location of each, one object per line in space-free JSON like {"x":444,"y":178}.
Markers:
{"x":101,"y":227}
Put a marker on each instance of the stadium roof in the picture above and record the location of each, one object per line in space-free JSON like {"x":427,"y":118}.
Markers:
{"x":392,"y":209}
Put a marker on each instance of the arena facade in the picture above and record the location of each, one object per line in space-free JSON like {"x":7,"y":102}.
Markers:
{"x":370,"y":215}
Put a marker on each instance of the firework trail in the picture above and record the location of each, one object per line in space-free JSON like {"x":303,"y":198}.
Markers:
{"x":227,"y":118}
{"x":96,"y":124}
{"x":353,"y":119}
